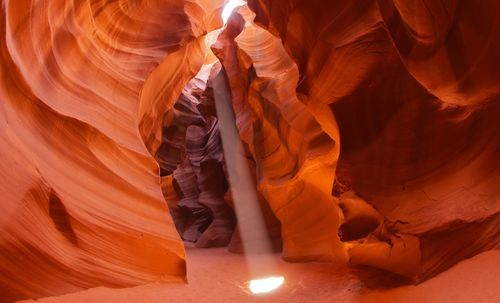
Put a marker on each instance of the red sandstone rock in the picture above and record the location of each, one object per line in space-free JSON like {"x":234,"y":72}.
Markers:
{"x":80,"y":191}
{"x":414,"y":88}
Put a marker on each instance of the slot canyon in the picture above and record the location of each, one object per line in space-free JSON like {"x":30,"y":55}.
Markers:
{"x":185,"y":151}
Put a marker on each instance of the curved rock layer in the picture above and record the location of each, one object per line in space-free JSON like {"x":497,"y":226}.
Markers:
{"x":414,"y":87}
{"x":83,"y":88}
{"x":294,"y":168}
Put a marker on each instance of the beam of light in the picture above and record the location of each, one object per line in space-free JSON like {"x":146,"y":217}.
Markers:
{"x":252,"y":227}
{"x":261,"y":286}
{"x":228,"y":9}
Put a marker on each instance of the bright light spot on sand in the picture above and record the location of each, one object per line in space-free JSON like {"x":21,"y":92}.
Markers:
{"x":228,"y":9}
{"x":260,"y":286}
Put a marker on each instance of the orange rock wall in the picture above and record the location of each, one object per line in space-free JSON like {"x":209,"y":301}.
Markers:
{"x":82,"y":88}
{"x":414,"y":88}
{"x":294,"y":168}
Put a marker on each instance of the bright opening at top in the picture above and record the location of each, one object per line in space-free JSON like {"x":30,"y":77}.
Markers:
{"x":228,"y":9}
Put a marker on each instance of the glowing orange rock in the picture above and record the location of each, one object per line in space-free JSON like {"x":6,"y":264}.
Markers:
{"x":294,"y":168}
{"x":413,"y":87}
{"x":81,"y":197}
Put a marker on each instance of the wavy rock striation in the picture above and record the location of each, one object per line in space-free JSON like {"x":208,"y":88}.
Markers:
{"x":83,"y":87}
{"x":414,"y":87}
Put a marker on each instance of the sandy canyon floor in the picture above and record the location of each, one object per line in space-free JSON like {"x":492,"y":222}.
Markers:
{"x":216,"y":275}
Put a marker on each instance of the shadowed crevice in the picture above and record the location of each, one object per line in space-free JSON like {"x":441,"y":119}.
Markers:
{"x":61,"y":218}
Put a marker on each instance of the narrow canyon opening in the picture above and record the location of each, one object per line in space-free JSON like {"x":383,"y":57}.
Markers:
{"x":191,"y":156}
{"x":195,"y":176}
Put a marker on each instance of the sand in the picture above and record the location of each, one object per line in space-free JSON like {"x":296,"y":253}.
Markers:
{"x":218,"y":276}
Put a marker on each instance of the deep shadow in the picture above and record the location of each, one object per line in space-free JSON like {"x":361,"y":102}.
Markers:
{"x":61,"y":218}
